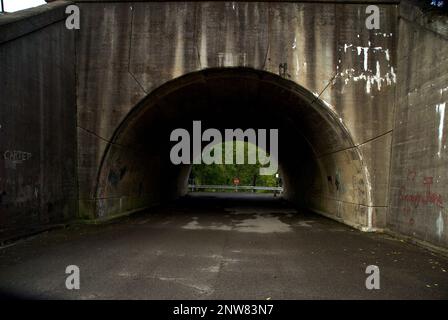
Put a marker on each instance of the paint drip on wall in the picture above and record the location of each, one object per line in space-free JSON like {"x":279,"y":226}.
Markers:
{"x":370,"y":64}
{"x":440,"y":109}
{"x":439,"y":225}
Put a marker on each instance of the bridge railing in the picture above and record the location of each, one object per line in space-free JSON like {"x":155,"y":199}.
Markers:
{"x":192,"y":187}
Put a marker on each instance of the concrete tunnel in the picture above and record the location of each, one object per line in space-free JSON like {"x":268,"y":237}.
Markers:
{"x":136,"y":170}
{"x":86,"y":177}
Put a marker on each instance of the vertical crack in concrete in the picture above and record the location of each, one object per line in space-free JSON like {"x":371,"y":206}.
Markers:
{"x":195,"y":35}
{"x":130,"y":51}
{"x":268,"y":47}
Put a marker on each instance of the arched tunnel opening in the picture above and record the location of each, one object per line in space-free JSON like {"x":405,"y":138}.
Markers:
{"x":137,"y":172}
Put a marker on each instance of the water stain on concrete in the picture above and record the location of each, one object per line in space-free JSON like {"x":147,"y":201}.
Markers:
{"x":194,"y":225}
{"x":259,"y":223}
{"x":263,"y":224}
{"x":260,"y":210}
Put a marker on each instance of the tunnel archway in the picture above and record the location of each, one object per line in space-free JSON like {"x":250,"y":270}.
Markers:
{"x":322,"y":168}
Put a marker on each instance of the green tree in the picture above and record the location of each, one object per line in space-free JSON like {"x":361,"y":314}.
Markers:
{"x":223,"y":174}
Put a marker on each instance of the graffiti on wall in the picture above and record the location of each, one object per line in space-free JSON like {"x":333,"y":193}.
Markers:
{"x":370,"y":64}
{"x":14,"y":157}
{"x":426,"y":197}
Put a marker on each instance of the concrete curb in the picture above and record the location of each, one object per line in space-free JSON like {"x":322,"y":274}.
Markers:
{"x":111,"y":218}
{"x":420,"y":243}
{"x":11,"y":240}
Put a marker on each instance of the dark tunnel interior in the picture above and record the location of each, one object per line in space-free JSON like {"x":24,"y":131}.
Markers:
{"x":137,"y":167}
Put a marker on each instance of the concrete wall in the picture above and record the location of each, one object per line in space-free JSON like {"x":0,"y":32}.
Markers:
{"x":128,"y":49}
{"x":37,"y":120}
{"x":418,"y":189}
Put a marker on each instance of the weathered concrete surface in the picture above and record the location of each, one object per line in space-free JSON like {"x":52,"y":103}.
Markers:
{"x":127,"y":54}
{"x":247,"y":247}
{"x":127,"y":50}
{"x":418,"y":190}
{"x":37,"y":120}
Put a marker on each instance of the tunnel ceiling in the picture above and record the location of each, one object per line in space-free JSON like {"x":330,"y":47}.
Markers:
{"x":234,"y":98}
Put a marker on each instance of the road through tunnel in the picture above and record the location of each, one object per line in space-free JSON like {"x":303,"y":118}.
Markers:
{"x":316,"y":154}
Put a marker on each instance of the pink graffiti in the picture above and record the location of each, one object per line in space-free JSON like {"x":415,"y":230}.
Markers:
{"x":411,"y":175}
{"x":421,"y":198}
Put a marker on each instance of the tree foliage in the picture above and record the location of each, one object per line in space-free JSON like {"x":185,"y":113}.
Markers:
{"x":223,"y":174}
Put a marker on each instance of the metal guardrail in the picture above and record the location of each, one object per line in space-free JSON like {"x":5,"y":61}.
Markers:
{"x":193,"y":187}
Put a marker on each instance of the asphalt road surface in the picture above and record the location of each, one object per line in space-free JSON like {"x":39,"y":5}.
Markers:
{"x":210,"y":246}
